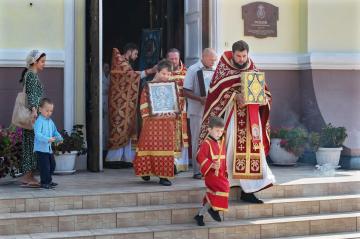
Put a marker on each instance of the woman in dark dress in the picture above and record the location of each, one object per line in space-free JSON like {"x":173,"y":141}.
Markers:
{"x":35,"y":63}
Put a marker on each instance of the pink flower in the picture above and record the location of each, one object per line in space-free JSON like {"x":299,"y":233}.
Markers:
{"x":283,"y":143}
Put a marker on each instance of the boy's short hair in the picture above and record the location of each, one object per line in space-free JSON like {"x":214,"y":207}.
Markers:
{"x":44,"y":101}
{"x":164,"y":64}
{"x":216,"y":122}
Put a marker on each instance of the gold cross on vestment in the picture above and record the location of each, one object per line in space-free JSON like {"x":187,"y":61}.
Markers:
{"x":242,"y":122}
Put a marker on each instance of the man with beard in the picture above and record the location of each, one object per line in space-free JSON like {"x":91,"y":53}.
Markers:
{"x":182,"y":141}
{"x":247,"y":126}
{"x":123,"y":98}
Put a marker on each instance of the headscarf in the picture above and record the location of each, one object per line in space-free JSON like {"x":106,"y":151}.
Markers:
{"x":32,"y":57}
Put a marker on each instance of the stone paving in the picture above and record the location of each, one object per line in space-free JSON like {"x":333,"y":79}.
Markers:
{"x":124,"y":180}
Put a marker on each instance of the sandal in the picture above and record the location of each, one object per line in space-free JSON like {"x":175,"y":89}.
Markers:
{"x":30,"y":185}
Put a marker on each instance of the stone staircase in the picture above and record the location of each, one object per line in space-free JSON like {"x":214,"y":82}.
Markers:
{"x":308,"y":209}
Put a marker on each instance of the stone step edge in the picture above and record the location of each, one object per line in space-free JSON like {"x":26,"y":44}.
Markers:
{"x":183,"y":227}
{"x":343,"y":235}
{"x":35,"y":194}
{"x":177,"y":206}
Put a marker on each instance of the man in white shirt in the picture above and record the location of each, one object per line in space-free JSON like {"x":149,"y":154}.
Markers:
{"x":196,"y":84}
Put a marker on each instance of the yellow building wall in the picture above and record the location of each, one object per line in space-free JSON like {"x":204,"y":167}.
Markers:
{"x":41,"y":26}
{"x":303,"y":26}
{"x":37,"y":26}
{"x":80,"y":62}
{"x":288,"y":27}
{"x":334,"y":25}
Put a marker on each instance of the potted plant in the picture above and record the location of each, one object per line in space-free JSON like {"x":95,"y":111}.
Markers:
{"x":10,"y":152}
{"x":287,"y":145}
{"x":328,"y":144}
{"x":67,"y":151}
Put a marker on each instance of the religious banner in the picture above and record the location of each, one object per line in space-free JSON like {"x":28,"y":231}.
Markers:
{"x":150,"y":48}
{"x":260,"y":19}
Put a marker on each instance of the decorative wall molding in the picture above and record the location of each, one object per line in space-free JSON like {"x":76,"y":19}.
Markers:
{"x":16,"y":57}
{"x":313,"y":60}
{"x":336,"y":61}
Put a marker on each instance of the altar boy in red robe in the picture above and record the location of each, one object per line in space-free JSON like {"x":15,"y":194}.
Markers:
{"x":212,"y":161}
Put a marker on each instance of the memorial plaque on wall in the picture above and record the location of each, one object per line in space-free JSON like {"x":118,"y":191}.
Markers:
{"x":260,"y":19}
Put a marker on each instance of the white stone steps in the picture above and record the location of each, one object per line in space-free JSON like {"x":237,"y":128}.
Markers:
{"x":344,"y":235}
{"x":81,"y":219}
{"x":325,"y":204}
{"x":51,"y":200}
{"x":250,"y":228}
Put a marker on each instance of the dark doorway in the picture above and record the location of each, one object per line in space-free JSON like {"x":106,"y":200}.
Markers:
{"x":124,"y":20}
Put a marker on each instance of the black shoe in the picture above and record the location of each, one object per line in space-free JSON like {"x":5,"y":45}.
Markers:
{"x":199,"y":220}
{"x":165,"y":182}
{"x":250,"y":197}
{"x":214,"y":214}
{"x":46,"y":186}
{"x":145,"y":178}
{"x":128,"y":164}
{"x":52,"y":184}
{"x":197,"y":176}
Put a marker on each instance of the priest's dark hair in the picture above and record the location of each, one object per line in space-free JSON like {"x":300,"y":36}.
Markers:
{"x":164,"y":64}
{"x":130,"y":47}
{"x":216,"y":122}
{"x":240,"y":46}
{"x":172,"y":50}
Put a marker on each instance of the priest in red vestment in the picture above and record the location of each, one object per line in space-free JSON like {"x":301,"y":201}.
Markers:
{"x":122,"y":103}
{"x":247,"y":126}
{"x":182,"y":142}
{"x":212,"y":160}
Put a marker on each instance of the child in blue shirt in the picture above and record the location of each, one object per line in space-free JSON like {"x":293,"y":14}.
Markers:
{"x":45,"y":134}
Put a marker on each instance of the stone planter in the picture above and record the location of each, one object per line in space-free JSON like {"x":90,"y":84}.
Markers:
{"x":329,"y":156}
{"x":279,"y":155}
{"x":65,"y":163}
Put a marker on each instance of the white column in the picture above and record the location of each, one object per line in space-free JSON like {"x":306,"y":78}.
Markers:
{"x":100,"y":85}
{"x":69,"y":64}
{"x":215,"y":26}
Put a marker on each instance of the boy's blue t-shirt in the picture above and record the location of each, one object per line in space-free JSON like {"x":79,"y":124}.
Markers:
{"x":44,"y":129}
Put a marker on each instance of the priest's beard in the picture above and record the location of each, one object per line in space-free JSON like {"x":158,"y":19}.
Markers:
{"x":132,"y":62}
{"x":240,"y":66}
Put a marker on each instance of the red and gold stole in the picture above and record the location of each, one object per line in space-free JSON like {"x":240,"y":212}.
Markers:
{"x":123,"y":98}
{"x":182,"y":136}
{"x":223,"y":89}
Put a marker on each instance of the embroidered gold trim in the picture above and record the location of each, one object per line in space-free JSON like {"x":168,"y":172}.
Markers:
{"x":155,"y":153}
{"x":222,"y":194}
{"x":143,"y":106}
{"x":204,"y":162}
